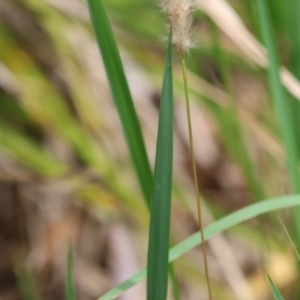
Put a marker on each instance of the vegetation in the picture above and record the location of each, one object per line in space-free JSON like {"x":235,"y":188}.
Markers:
{"x":94,"y":147}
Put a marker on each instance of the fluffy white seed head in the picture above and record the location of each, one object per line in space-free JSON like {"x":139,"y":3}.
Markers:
{"x":179,"y":13}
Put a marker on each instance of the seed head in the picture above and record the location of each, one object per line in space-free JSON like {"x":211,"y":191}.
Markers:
{"x":179,"y":14}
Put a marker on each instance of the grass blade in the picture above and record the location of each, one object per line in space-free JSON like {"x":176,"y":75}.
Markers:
{"x":121,"y":95}
{"x":174,"y":282}
{"x":274,"y":289}
{"x":281,"y":105}
{"x":215,"y":228}
{"x":294,"y":25}
{"x":282,"y":108}
{"x":158,"y":249}
{"x":294,"y":63}
{"x":70,"y":291}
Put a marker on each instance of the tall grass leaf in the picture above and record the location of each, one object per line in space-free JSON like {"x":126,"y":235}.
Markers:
{"x":274,"y":289}
{"x":121,"y":95}
{"x":294,"y":37}
{"x":294,"y":62}
{"x":70,"y":291}
{"x":284,"y":116}
{"x":158,"y":248}
{"x":215,"y":228}
{"x":278,"y":95}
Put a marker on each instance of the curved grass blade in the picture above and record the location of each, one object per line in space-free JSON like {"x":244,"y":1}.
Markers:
{"x":70,"y":291}
{"x":158,"y":248}
{"x":215,"y":228}
{"x":274,"y":289}
{"x":121,"y":96}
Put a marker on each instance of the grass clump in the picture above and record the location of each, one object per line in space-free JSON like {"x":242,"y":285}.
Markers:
{"x":252,"y":155}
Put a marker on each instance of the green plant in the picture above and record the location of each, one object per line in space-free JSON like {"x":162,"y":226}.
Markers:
{"x":46,"y":104}
{"x":161,"y":195}
{"x":217,"y":227}
{"x":70,"y":291}
{"x":275,"y":291}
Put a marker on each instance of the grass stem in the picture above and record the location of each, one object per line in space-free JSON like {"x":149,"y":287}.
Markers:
{"x":199,"y":209}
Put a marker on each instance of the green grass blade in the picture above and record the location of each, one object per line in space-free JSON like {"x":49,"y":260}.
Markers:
{"x":294,"y":63}
{"x":158,"y":248}
{"x":121,"y":95}
{"x":215,"y":228}
{"x":70,"y":291}
{"x":274,"y":289}
{"x":278,"y":95}
{"x":174,"y":282}
{"x":294,"y":25}
{"x":282,"y":108}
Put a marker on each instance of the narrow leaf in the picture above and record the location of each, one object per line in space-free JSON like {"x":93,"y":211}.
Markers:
{"x":158,"y":249}
{"x":121,"y":95}
{"x":278,"y":95}
{"x":70,"y":292}
{"x":284,"y":115}
{"x":294,"y":63}
{"x":215,"y":228}
{"x":274,"y":289}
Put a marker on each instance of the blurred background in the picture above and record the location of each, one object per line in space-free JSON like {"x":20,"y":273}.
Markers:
{"x":65,"y":170}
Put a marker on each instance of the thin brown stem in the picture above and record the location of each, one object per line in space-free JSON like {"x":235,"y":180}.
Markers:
{"x":199,"y":209}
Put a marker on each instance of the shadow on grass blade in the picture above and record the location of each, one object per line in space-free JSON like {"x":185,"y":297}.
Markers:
{"x":158,"y":248}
